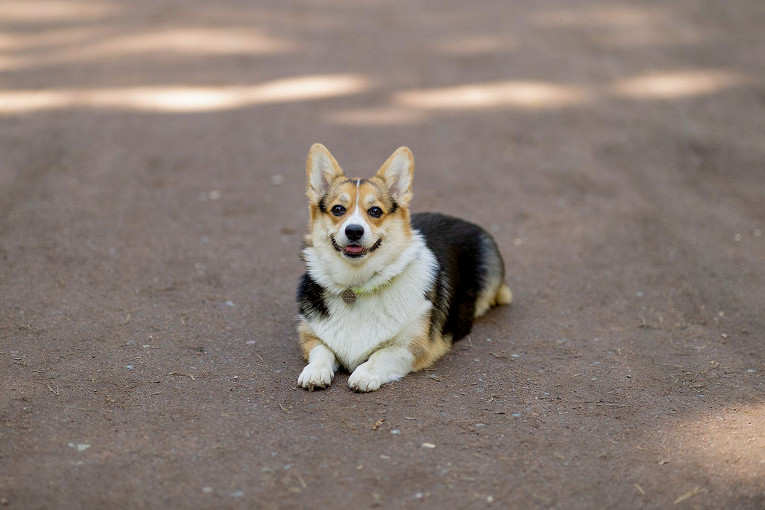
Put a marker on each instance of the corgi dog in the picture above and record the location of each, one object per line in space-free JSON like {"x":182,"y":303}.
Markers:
{"x":386,"y":292}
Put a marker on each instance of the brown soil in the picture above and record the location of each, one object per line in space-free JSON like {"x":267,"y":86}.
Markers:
{"x":152,"y":204}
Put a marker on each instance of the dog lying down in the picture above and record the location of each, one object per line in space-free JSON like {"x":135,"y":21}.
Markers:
{"x":386,"y":292}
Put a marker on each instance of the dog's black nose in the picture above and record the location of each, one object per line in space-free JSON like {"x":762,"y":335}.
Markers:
{"x":354,"y":232}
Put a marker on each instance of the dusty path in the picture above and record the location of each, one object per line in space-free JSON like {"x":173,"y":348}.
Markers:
{"x":151,"y":208}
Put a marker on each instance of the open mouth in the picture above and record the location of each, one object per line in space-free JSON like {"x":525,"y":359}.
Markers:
{"x":353,"y":250}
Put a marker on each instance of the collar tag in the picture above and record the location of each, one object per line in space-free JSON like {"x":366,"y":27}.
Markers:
{"x":349,"y":296}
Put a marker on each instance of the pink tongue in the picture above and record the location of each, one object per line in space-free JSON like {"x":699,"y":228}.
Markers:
{"x":354,"y":249}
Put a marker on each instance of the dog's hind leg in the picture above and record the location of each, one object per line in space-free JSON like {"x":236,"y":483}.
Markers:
{"x":504,"y":295}
{"x":493,"y":295}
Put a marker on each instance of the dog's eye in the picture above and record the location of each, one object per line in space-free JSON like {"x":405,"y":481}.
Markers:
{"x":338,"y":210}
{"x":375,"y":212}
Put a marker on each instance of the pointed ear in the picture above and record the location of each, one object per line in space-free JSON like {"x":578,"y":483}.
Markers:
{"x":321,"y":169}
{"x":398,"y":172}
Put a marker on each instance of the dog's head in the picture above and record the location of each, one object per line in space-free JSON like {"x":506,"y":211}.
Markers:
{"x":355,"y":219}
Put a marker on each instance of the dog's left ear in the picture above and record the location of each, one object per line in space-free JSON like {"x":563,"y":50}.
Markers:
{"x":321,"y":169}
{"x":398,"y":172}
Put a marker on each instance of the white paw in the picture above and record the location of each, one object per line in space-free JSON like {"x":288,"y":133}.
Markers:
{"x":364,"y":379}
{"x":315,"y":376}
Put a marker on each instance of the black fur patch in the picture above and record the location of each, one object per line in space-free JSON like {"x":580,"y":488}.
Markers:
{"x":461,"y":249}
{"x":323,"y":204}
{"x":310,"y":297}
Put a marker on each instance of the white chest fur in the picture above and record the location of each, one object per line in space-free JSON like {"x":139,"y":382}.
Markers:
{"x":390,"y":313}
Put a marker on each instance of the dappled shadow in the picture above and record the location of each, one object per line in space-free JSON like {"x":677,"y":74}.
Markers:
{"x":131,"y":40}
{"x":180,"y":99}
{"x":92,"y":44}
{"x":151,"y":191}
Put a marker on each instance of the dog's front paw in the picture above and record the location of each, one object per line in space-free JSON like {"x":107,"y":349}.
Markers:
{"x":315,"y":376}
{"x":364,"y":379}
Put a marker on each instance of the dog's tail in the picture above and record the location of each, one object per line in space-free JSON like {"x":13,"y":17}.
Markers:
{"x":489,"y":298}
{"x":504,"y":295}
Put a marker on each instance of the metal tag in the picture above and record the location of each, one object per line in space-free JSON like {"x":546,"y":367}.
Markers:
{"x":348,"y":296}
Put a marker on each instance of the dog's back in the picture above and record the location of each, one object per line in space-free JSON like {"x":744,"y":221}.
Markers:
{"x":471,"y":272}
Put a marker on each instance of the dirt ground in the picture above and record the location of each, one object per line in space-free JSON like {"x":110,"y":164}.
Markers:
{"x":152,"y":158}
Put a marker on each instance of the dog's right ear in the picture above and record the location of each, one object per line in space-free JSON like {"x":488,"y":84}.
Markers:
{"x":321,"y":169}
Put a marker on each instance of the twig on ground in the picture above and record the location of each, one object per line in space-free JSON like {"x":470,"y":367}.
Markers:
{"x":688,"y":495}
{"x":668,"y":365}
{"x":182,"y":374}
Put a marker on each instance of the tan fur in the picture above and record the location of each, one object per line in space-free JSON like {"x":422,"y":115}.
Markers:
{"x":400,"y":188}
{"x":308,"y":340}
{"x":496,"y":293}
{"x":504,"y":295}
{"x":427,"y":350}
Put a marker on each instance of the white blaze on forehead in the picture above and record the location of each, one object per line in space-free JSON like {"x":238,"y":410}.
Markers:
{"x":357,"y":218}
